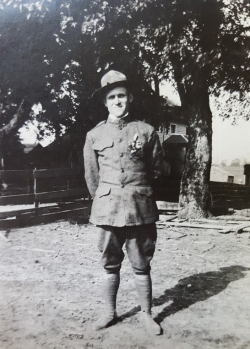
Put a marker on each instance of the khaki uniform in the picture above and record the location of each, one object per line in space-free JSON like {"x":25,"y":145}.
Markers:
{"x":122,"y":158}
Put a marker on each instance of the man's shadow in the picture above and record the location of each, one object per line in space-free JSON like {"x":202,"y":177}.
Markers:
{"x":192,"y":289}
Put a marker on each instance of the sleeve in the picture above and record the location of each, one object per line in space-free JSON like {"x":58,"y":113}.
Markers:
{"x":155,"y":157}
{"x":91,"y":165}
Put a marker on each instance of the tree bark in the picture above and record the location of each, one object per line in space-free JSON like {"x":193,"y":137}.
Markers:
{"x":156,"y":85}
{"x":1,"y":151}
{"x":5,"y":130}
{"x":195,"y":199}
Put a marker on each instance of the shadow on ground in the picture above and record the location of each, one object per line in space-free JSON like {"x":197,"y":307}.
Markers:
{"x":195,"y":288}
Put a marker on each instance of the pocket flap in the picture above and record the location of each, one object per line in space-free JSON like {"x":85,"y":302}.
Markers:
{"x":145,"y":191}
{"x":102,"y":144}
{"x":102,"y":191}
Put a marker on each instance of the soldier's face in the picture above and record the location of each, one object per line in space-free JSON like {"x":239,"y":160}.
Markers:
{"x":117,"y":101}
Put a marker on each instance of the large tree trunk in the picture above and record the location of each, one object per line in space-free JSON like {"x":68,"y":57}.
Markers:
{"x":5,"y":130}
{"x":1,"y":151}
{"x":195,"y":199}
{"x":156,"y":85}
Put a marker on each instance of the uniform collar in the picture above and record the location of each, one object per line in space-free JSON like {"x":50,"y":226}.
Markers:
{"x":119,"y":121}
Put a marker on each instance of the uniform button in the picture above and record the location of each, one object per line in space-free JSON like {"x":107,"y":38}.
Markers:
{"x":122,"y":185}
{"x":121,"y":155}
{"x":119,"y":140}
{"x":122,"y":170}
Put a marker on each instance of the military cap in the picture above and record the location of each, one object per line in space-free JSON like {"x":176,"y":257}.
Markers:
{"x":111,"y":80}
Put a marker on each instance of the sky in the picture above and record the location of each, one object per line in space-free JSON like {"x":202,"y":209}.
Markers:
{"x":231,"y":141}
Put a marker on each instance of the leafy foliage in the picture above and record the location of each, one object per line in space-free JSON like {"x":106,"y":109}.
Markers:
{"x":54,"y":52}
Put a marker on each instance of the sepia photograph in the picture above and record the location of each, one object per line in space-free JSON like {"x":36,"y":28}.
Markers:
{"x":124,"y":174}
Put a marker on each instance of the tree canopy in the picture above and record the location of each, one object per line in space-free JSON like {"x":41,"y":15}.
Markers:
{"x":54,"y":52}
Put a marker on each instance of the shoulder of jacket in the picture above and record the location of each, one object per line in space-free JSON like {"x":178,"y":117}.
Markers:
{"x":101,"y":123}
{"x":96,"y":128}
{"x":145,"y":125}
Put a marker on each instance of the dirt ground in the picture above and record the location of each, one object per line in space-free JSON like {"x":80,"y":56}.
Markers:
{"x":50,"y":291}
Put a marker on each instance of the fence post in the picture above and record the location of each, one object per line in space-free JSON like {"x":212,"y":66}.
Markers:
{"x":35,"y":187}
{"x":31,"y":179}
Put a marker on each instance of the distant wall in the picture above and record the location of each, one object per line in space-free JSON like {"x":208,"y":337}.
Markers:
{"x":221,"y":173}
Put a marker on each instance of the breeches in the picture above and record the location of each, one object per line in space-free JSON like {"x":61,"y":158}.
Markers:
{"x":139,"y":242}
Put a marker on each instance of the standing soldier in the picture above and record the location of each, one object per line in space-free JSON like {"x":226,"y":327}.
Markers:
{"x":122,"y":158}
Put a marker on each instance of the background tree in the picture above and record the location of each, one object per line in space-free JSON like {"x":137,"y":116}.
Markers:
{"x":45,"y":70}
{"x":60,"y":49}
{"x":51,"y":63}
{"x":8,"y":136}
{"x":235,"y":163}
{"x":205,"y":45}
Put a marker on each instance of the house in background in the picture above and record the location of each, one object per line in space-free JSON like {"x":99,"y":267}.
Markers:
{"x":174,"y":139}
{"x":247,"y":174}
{"x":229,"y":174}
{"x":37,"y":157}
{"x":63,"y":152}
{"x":66,"y":151}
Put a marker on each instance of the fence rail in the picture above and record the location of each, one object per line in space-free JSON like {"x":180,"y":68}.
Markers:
{"x":14,"y":174}
{"x":71,"y":196}
{"x":38,"y":188}
{"x":230,"y":195}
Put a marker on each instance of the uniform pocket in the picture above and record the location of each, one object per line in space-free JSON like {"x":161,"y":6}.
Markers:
{"x":103,"y":191}
{"x":145,"y":204}
{"x":102,"y":144}
{"x":101,"y":203}
{"x":148,"y":191}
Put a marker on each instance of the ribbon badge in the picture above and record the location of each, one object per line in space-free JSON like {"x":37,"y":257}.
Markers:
{"x":136,"y":147}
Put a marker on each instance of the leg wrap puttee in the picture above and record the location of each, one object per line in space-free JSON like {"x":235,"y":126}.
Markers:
{"x":110,"y":288}
{"x":144,"y":289}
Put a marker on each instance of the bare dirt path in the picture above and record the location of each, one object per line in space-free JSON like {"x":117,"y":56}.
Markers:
{"x":50,"y":291}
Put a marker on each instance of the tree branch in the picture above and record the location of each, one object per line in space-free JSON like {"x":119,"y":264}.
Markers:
{"x":13,"y":122}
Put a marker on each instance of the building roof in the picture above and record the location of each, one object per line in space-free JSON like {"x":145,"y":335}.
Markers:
{"x":176,"y":139}
{"x":28,"y":147}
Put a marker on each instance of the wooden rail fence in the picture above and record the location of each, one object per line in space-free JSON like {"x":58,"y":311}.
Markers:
{"x":223,"y":195}
{"x":230,"y":195}
{"x":71,"y":196}
{"x":66,"y":191}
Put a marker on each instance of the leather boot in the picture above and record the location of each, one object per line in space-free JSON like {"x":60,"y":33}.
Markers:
{"x":110,"y":288}
{"x":144,"y":289}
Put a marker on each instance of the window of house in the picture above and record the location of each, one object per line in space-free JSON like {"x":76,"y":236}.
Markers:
{"x":230,"y":179}
{"x":187,"y":131}
{"x":172,"y":128}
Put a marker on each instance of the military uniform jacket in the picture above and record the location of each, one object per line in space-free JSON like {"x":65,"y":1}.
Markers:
{"x":122,"y":158}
